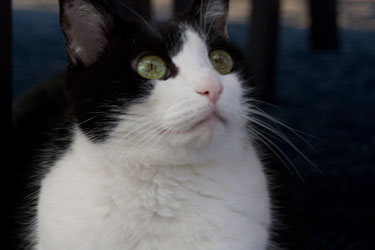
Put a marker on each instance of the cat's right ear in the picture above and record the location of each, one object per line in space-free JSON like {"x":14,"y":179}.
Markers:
{"x":85,"y":24}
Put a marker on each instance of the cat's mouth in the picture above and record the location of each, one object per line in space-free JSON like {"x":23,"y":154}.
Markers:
{"x":202,"y":124}
{"x":209,"y":121}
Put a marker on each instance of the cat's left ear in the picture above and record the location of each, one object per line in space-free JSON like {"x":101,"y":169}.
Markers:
{"x":211,"y":13}
{"x":85,"y":24}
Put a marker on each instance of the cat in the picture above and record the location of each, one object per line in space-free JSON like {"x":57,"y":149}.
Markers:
{"x":153,"y":149}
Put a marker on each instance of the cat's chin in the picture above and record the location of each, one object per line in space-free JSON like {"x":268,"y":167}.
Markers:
{"x":200,"y":134}
{"x":207,"y":142}
{"x":205,"y":126}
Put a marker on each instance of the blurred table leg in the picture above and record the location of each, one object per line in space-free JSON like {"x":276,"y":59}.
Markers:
{"x":179,"y":6}
{"x":143,"y":7}
{"x":263,"y":44}
{"x":5,"y":127}
{"x":323,"y":30}
{"x":5,"y":49}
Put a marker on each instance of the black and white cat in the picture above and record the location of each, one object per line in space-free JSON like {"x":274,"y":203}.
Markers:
{"x":156,"y":153}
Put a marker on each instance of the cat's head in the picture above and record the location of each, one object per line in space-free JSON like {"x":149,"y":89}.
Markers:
{"x":164,"y":90}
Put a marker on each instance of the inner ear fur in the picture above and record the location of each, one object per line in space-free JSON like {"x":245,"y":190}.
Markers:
{"x":85,"y":24}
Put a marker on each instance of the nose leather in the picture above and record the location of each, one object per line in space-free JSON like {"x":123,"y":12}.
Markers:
{"x":211,"y":88}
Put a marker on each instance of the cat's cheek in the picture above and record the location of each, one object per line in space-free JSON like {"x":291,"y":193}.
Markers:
{"x":232,"y":86}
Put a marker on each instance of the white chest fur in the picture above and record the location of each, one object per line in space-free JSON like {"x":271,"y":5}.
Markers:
{"x":86,"y":204}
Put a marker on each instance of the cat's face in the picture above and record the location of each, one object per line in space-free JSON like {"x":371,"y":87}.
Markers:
{"x":157,"y":89}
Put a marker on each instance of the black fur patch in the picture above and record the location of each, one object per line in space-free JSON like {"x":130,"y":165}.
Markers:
{"x":98,"y":92}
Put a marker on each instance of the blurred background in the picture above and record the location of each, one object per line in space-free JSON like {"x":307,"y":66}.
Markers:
{"x":327,"y":92}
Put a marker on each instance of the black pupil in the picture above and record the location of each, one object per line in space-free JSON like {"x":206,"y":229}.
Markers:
{"x":152,"y":67}
{"x":219,"y":60}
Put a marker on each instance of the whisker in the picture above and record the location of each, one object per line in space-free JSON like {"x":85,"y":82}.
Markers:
{"x":144,"y":141}
{"x":275,"y":131}
{"x":285,"y":139}
{"x":276,"y":122}
{"x":152,"y":138}
{"x":145,"y":134}
{"x":140,"y":18}
{"x":206,"y":13}
{"x":144,"y":126}
{"x":258,"y":137}
{"x":271,"y":144}
{"x":200,"y":15}
{"x":262,"y":113}
{"x":87,"y":120}
{"x":267,"y":103}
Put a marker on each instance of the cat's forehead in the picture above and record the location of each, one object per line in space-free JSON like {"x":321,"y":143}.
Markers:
{"x":174,"y":34}
{"x":166,"y":39}
{"x":193,"y":50}
{"x":184,"y":37}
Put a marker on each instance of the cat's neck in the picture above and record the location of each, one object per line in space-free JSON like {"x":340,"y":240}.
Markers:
{"x":127,"y":160}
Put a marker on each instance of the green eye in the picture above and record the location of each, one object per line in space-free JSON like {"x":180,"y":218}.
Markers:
{"x":222,"y":61}
{"x":152,"y":67}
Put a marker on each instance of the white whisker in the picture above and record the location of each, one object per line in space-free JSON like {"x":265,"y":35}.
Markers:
{"x":262,"y":113}
{"x":285,"y":139}
{"x":153,"y":29}
{"x":206,"y":14}
{"x":274,"y":130}
{"x":271,"y":144}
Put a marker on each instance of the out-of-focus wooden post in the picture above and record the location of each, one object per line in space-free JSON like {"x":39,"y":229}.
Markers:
{"x":179,"y":6}
{"x":8,"y":172}
{"x":323,"y":29}
{"x":263,"y":43}
{"x":5,"y":53}
{"x":143,"y":7}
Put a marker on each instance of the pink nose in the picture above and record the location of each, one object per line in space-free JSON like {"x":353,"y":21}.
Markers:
{"x":211,"y":88}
